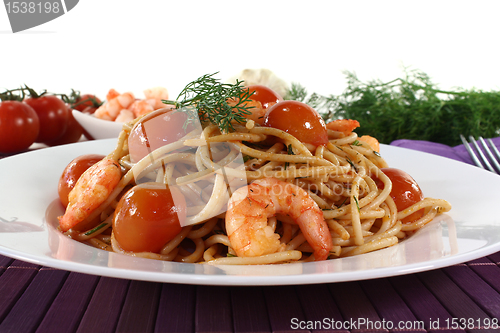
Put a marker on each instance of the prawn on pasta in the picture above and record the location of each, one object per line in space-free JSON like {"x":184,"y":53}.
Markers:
{"x":229,"y":174}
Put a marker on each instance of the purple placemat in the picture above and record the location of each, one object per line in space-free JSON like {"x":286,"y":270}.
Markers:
{"x":458,"y":153}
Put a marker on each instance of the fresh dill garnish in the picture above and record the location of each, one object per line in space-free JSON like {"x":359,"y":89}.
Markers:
{"x":215,"y":102}
{"x":343,"y":202}
{"x":289,"y":150}
{"x":351,"y":163}
{"x":356,"y":143}
{"x":100,"y":226}
{"x":357,"y":202}
{"x":410,"y":107}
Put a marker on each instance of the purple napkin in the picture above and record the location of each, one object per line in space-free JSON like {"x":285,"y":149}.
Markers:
{"x":458,"y":153}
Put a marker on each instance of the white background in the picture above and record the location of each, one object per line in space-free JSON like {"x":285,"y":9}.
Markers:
{"x":133,"y":45}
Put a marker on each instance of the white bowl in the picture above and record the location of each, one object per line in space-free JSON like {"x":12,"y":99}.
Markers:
{"x":98,"y":128}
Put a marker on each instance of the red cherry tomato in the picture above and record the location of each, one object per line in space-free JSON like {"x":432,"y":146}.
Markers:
{"x":72,"y":172}
{"x":405,"y":192}
{"x":19,"y":126}
{"x":87,"y":103}
{"x":72,"y":134}
{"x":298,"y":119}
{"x":53,"y":115}
{"x":159,"y":128}
{"x":266,"y":96}
{"x":147,"y":217}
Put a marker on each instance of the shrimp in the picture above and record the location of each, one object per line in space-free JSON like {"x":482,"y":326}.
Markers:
{"x":343,"y":125}
{"x":251,"y":206}
{"x":92,"y":188}
{"x":156,"y":93}
{"x":140,"y":107}
{"x":371,"y":141}
{"x":111,"y":109}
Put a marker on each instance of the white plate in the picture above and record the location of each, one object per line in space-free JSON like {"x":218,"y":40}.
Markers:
{"x":29,"y":206}
{"x":98,"y":128}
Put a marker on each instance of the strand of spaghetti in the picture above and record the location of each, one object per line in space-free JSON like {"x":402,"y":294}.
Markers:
{"x":346,"y":140}
{"x":368,"y":223}
{"x":391,"y":215}
{"x":355,"y":210}
{"x":217,"y":239}
{"x":149,"y":255}
{"x":372,"y":155}
{"x":116,"y":153}
{"x":88,"y":234}
{"x":97,"y":243}
{"x":427,"y":202}
{"x":257,"y":162}
{"x":371,"y":246}
{"x":297,"y":241}
{"x":173,"y":243}
{"x":196,"y":255}
{"x":281,"y":157}
{"x":338,"y":229}
{"x":204,"y":230}
{"x":262,"y":260}
{"x":210,"y":252}
{"x":291,"y":173}
{"x":422,"y":221}
{"x":286,"y":137}
{"x":250,"y":137}
{"x":376,"y":242}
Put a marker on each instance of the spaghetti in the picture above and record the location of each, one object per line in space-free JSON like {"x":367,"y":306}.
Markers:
{"x":341,"y":180}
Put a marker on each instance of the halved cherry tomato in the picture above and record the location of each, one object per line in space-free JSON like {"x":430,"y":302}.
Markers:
{"x":157,"y":129}
{"x":72,"y":172}
{"x":266,"y":96}
{"x":19,"y":126}
{"x":147,"y":217}
{"x":405,"y":192}
{"x":298,"y":119}
{"x":53,"y":115}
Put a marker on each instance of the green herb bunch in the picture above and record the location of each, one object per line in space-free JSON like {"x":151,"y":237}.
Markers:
{"x":215,"y":102}
{"x":409,"y":108}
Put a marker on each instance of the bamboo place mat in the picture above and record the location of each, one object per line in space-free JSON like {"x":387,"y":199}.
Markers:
{"x":459,"y":298}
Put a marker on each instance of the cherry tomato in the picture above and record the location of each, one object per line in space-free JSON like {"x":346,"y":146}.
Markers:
{"x":147,"y":217}
{"x":87,"y":103}
{"x":159,"y":128}
{"x":53,"y":115}
{"x":72,"y":172}
{"x":405,"y":192}
{"x":266,"y":96}
{"x":72,"y":134}
{"x":298,"y":119}
{"x":19,"y":126}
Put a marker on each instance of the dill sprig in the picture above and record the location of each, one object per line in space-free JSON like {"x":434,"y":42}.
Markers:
{"x":221,"y":104}
{"x":411,"y":107}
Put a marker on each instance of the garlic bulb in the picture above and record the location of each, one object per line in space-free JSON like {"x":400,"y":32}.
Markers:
{"x":263,"y":77}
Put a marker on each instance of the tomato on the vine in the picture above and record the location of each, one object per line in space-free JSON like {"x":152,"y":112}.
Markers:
{"x":298,"y":119}
{"x":148,"y":216}
{"x":86,"y":103}
{"x":72,"y":134}
{"x":72,"y":172}
{"x":53,"y":115}
{"x":266,"y":96}
{"x":405,"y":192}
{"x":19,"y":126}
